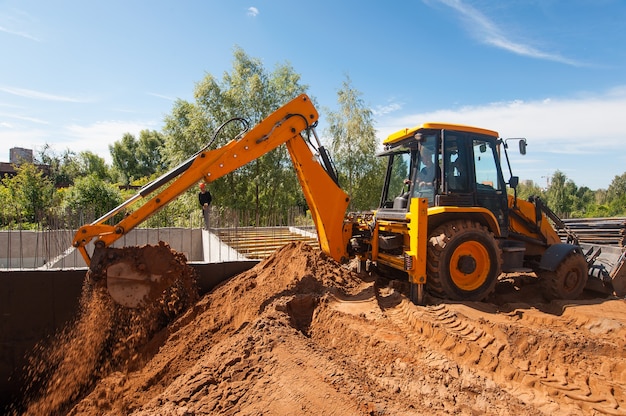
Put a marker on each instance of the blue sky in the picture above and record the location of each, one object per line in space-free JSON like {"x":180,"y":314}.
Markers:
{"x":78,"y":75}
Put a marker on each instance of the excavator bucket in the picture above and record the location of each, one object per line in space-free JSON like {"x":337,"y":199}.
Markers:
{"x":138,"y":276}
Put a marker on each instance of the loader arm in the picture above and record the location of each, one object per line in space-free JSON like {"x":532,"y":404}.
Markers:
{"x":326,"y":200}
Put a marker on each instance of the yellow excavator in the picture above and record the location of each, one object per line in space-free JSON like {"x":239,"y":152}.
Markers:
{"x":445,"y":220}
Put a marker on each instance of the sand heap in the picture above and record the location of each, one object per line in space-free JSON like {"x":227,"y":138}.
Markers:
{"x":300,"y":334}
{"x":106,"y":337}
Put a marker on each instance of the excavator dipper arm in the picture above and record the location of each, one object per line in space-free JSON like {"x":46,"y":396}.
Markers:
{"x":326,"y":200}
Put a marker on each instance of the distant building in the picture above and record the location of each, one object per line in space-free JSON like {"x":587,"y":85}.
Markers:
{"x":18,"y":155}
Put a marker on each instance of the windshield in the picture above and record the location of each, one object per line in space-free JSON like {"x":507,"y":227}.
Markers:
{"x":400,"y":171}
{"x":411,"y":173}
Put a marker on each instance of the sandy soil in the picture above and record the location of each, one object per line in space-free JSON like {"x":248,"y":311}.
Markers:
{"x":299,"y":334}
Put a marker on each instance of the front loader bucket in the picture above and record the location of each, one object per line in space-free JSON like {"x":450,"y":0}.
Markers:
{"x":607,"y":272}
{"x":618,"y":278}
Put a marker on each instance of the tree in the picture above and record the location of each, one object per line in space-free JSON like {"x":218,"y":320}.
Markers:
{"x":583,"y":202}
{"x":28,"y":196}
{"x":66,"y":167}
{"x":268,"y":184}
{"x":123,"y":154}
{"x":63,"y":168}
{"x":134,"y":159}
{"x":559,"y":194}
{"x":94,"y":194}
{"x":617,"y":188}
{"x":92,"y":164}
{"x":354,"y":147}
{"x":150,"y":153}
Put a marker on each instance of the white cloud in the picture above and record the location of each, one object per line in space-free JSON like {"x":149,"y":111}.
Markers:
{"x":563,"y":133}
{"x":17,"y":18}
{"x":253,"y":11}
{"x":38,"y":95}
{"x":562,"y":125}
{"x":98,"y":136}
{"x":94,"y":137}
{"x":489,"y":33}
{"x":389,"y":108}
{"x":23,"y":118}
{"x":165,"y":97}
{"x":18,"y":33}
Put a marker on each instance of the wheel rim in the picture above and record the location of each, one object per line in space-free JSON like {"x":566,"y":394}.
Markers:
{"x":470,"y":265}
{"x":571,"y":280}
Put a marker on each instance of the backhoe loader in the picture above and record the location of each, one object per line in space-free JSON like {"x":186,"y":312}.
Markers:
{"x":474,"y":230}
{"x":445,"y":220}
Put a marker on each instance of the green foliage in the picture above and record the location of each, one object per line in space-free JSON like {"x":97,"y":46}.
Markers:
{"x":134,"y":159}
{"x":27,"y":197}
{"x":182,"y":212}
{"x":571,"y":201}
{"x":63,"y":169}
{"x":92,"y":193}
{"x":250,"y":92}
{"x":125,"y":164}
{"x":354,"y":147}
{"x":559,"y":194}
{"x":526,"y":189}
{"x":150,"y":153}
{"x":617,"y":188}
{"x":92,"y":164}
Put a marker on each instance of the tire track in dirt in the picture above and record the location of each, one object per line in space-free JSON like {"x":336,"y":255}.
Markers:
{"x":554,"y":370}
{"x":404,"y":375}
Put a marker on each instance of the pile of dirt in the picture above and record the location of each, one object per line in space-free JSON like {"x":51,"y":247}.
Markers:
{"x":300,"y":334}
{"x":106,"y":337}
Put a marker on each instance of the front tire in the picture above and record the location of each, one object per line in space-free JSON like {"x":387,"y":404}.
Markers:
{"x":568,"y":280}
{"x":463,"y":261}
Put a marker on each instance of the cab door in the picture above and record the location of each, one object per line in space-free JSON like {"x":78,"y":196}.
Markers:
{"x":456,"y":171}
{"x":471,"y":174}
{"x":490,"y":186}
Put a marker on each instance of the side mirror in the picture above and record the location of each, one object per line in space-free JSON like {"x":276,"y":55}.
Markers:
{"x":514,"y":181}
{"x":522,"y":146}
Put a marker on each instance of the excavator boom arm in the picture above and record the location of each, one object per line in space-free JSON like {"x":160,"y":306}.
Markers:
{"x":326,"y":200}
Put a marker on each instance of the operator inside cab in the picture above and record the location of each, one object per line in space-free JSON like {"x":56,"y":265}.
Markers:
{"x":427,"y":173}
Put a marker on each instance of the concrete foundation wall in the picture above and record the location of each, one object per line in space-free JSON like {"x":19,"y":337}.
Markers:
{"x":183,"y":240}
{"x":34,"y":304}
{"x":53,"y":249}
{"x":31,"y":249}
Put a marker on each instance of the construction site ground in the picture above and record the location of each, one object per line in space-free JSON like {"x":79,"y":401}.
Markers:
{"x":300,"y":334}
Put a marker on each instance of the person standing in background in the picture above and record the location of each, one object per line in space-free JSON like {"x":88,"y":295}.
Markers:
{"x":205,"y":198}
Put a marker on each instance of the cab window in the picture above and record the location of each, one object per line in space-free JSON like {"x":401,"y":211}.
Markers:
{"x":487,"y":178}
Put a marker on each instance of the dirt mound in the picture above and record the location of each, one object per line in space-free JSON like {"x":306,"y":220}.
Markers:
{"x":300,"y":334}
{"x":106,"y":337}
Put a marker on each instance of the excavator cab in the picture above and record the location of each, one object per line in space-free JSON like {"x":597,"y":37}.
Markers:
{"x":448,"y":167}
